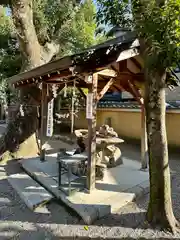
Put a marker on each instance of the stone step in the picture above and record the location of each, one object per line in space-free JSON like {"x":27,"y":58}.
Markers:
{"x":31,"y":192}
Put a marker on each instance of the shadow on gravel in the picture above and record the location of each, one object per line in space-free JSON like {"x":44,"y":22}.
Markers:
{"x":99,"y":238}
{"x":13,"y":167}
{"x":131,"y":220}
{"x":135,"y":219}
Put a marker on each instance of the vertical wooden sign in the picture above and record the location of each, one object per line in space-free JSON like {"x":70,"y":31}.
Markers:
{"x":49,"y":129}
{"x":89,"y":106}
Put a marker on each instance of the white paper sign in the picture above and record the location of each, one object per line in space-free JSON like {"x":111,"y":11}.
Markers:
{"x":89,"y":106}
{"x":49,"y":129}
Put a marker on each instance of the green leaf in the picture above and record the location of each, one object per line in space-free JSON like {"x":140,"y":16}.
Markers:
{"x":158,"y":25}
{"x":86,"y":228}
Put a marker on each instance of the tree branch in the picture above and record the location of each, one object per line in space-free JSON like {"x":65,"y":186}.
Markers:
{"x":49,"y":50}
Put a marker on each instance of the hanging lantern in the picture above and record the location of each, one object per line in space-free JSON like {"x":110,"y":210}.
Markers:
{"x":54,"y":90}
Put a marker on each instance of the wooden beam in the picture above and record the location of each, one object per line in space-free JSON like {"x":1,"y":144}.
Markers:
{"x":114,"y":66}
{"x":53,"y":78}
{"x":135,"y":61}
{"x":108,"y":72}
{"x":139,"y":60}
{"x":114,"y":89}
{"x":125,"y":89}
{"x":119,"y":87}
{"x":122,"y":76}
{"x":105,"y":89}
{"x":132,"y":66}
{"x":58,"y":78}
{"x":91,"y":168}
{"x":57,"y":65}
{"x":136,"y":93}
{"x":122,"y":66}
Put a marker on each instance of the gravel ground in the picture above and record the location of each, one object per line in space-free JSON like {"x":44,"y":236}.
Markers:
{"x":58,"y":222}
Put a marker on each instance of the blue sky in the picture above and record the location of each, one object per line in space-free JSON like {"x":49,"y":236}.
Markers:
{"x":95,"y":1}
{"x":7,"y":11}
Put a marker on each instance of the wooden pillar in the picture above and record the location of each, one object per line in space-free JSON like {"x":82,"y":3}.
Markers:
{"x":91,"y":168}
{"x":144,"y":147}
{"x":43,"y":120}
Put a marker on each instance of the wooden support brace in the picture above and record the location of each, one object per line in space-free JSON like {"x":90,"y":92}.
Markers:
{"x":136,"y":63}
{"x":132,"y":67}
{"x":119,"y":88}
{"x":105,"y":89}
{"x":136,"y":93}
{"x":144,"y":147}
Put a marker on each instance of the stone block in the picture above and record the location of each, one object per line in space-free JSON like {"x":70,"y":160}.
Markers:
{"x":32,"y":193}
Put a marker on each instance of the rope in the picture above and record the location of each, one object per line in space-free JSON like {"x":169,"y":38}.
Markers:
{"x":72,"y":107}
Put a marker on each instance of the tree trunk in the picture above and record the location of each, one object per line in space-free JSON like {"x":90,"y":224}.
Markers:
{"x":160,"y":205}
{"x":25,"y":31}
{"x":20,"y":139}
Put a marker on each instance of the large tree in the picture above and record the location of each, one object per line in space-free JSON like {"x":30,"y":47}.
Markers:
{"x":157,"y":25}
{"x":10,"y":60}
{"x":38,"y":31}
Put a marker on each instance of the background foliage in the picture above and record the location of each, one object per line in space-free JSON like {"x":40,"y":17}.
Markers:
{"x":69,"y":23}
{"x":156,"y":22}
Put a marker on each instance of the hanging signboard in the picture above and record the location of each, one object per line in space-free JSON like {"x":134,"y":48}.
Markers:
{"x":89,"y":106}
{"x":49,"y":129}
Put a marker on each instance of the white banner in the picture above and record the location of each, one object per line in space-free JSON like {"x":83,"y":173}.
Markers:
{"x":49,"y":129}
{"x":89,"y":106}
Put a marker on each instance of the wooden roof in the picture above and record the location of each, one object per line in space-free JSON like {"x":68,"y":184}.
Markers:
{"x":88,"y":61}
{"x":117,"y":58}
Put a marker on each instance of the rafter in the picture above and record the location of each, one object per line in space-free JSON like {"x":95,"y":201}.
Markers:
{"x":136,"y":93}
{"x":132,"y":66}
{"x":119,"y":88}
{"x":134,"y":60}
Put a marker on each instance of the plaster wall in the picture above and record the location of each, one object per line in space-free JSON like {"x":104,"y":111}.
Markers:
{"x":127,"y":123}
